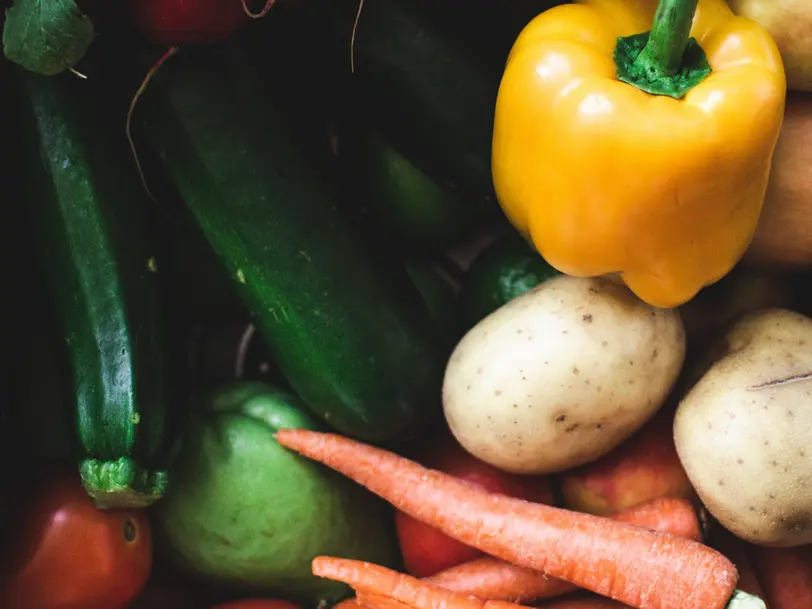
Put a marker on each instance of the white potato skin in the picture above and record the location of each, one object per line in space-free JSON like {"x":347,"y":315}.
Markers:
{"x":561,"y":375}
{"x":743,"y":431}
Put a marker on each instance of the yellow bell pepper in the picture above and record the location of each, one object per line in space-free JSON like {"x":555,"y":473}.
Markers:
{"x":635,"y":150}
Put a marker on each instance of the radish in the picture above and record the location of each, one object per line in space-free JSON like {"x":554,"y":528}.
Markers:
{"x":179,"y":22}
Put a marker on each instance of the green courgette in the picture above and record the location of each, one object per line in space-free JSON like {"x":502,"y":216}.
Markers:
{"x":345,"y":325}
{"x":89,"y":214}
{"x":420,"y":87}
{"x":391,"y":197}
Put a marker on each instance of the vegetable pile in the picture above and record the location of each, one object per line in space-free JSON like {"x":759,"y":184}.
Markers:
{"x":405,"y":304}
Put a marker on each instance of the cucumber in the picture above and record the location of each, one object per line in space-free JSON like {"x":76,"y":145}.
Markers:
{"x":89,"y":215}
{"x":345,"y":325}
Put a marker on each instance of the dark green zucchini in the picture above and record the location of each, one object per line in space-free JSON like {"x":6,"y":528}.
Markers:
{"x":422,"y":89}
{"x":396,"y":202}
{"x":345,"y":325}
{"x":89,"y":214}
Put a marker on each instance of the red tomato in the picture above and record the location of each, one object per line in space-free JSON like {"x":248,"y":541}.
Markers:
{"x":426,"y":550}
{"x":257,"y":603}
{"x":65,"y":553}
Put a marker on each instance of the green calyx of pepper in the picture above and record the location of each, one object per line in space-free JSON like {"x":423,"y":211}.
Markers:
{"x":665,"y":60}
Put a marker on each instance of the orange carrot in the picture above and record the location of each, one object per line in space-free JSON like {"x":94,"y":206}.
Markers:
{"x":734,"y":548}
{"x":378,"y":601}
{"x":371,"y":581}
{"x":584,"y":601}
{"x":636,"y":566}
{"x":489,"y":578}
{"x":501,"y":605}
{"x":785,"y":575}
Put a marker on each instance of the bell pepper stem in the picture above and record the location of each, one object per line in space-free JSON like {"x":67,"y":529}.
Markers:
{"x":669,"y":37}
{"x":665,"y":60}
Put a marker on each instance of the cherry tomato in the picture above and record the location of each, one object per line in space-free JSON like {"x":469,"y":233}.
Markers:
{"x":257,"y":603}
{"x":426,"y":550}
{"x":64,"y":553}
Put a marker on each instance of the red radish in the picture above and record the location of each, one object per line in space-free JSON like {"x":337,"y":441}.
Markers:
{"x":179,"y":22}
{"x":426,"y":550}
{"x":644,"y":467}
{"x":785,"y":574}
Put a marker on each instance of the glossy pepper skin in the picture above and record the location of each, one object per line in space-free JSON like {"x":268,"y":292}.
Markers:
{"x":604,"y":178}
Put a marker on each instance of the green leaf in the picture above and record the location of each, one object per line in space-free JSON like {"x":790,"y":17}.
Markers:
{"x":46,"y":36}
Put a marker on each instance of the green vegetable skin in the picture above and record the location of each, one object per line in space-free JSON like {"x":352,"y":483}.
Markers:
{"x":421,"y":89}
{"x":347,"y":328}
{"x":439,"y":292}
{"x":504,"y":270}
{"x":85,"y":207}
{"x":251,"y":515}
{"x":392,"y":196}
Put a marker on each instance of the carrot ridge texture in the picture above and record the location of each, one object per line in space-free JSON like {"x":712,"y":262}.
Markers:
{"x":489,"y":578}
{"x":630,"y":564}
{"x":372,"y":581}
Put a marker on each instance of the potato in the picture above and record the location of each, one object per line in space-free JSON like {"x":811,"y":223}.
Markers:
{"x":561,"y":375}
{"x":743,"y":431}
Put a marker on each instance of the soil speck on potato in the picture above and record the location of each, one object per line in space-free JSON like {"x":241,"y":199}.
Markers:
{"x":587,"y":318}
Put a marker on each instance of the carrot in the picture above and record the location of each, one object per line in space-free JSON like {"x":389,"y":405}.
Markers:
{"x":378,"y":601}
{"x":501,"y":605}
{"x":372,"y":581}
{"x":583,"y":601}
{"x":491,"y":579}
{"x":785,"y":575}
{"x":734,"y":548}
{"x":636,"y":566}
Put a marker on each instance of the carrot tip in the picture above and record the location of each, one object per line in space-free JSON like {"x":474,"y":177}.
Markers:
{"x":742,"y":600}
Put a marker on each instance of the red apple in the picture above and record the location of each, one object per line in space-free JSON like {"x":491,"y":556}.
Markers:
{"x":426,"y":550}
{"x":644,"y":467}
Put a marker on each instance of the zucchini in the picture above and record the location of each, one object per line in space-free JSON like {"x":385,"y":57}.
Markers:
{"x":345,"y":325}
{"x":393,"y":199}
{"x":89,"y":214}
{"x":423,"y":90}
